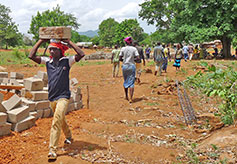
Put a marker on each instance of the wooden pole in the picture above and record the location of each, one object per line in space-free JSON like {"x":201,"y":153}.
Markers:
{"x":88,"y":96}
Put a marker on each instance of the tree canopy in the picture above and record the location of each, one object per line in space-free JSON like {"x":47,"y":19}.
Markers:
{"x":9,"y":34}
{"x":48,"y":18}
{"x":112,"y":32}
{"x":128,"y":27}
{"x":156,"y":12}
{"x":107,"y":32}
{"x":195,"y":21}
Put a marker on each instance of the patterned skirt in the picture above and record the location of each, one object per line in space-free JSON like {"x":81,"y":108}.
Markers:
{"x":177,"y":62}
{"x":129,"y":72}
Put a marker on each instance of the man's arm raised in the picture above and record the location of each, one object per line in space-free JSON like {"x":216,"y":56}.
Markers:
{"x":80,"y":54}
{"x":32,"y":54}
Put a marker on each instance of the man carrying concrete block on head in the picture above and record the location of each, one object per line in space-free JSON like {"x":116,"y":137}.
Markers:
{"x":58,"y":67}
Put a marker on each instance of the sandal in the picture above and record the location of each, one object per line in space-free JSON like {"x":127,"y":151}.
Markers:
{"x":68,"y":141}
{"x":52,"y":155}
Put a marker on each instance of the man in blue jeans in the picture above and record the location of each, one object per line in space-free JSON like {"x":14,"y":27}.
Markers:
{"x":185,"y":52}
{"x":159,"y":58}
{"x":58,"y":68}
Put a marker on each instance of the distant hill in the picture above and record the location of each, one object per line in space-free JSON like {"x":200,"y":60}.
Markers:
{"x":90,"y":33}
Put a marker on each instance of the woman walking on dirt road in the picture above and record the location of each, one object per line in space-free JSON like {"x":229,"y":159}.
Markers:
{"x":178,"y":57}
{"x":128,"y":55}
{"x":58,"y":68}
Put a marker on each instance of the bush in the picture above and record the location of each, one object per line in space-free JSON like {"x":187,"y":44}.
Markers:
{"x":221,"y":83}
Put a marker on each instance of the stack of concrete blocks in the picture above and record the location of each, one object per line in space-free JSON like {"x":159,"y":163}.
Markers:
{"x":75,"y":102}
{"x":36,"y":97}
{"x":15,"y":79}
{"x":20,"y":113}
{"x":17,"y":114}
{"x":5,"y":127}
{"x":3,"y":75}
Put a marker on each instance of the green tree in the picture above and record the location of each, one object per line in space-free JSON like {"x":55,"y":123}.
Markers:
{"x":107,"y":30}
{"x":209,"y":20}
{"x":56,"y":17}
{"x":75,"y":36}
{"x":157,"y":13}
{"x":84,"y":38}
{"x":9,"y":34}
{"x":95,"y":40}
{"x":128,"y":27}
{"x":146,"y":40}
{"x":197,"y":21}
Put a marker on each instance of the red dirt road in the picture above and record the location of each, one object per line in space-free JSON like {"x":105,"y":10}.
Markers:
{"x":150,"y":130}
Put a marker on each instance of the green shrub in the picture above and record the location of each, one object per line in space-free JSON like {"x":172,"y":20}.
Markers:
{"x":220,"y":83}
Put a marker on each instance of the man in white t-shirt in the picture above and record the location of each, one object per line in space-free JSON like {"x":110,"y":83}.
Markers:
{"x":185,"y":52}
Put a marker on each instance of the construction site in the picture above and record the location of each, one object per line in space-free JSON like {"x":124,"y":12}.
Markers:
{"x":166,"y":123}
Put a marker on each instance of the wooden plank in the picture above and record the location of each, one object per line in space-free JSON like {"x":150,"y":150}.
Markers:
{"x":11,"y":87}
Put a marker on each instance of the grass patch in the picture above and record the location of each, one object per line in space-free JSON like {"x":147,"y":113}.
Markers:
{"x":150,"y":63}
{"x":14,"y":57}
{"x":89,"y":63}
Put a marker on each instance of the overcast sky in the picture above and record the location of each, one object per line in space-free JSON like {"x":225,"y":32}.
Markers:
{"x":89,"y":13}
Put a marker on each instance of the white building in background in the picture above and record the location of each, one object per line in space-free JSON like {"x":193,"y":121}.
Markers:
{"x":84,"y":44}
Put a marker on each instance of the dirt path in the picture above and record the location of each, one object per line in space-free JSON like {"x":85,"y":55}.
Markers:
{"x":150,"y":130}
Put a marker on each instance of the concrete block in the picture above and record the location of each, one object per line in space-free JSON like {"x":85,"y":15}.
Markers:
{"x":20,"y":81}
{"x":42,"y":75}
{"x":56,"y":32}
{"x":76,"y":90}
{"x":33,"y":84}
{"x":78,"y":105}
{"x":40,"y":113}
{"x":76,"y":97}
{"x":5,"y":129}
{"x":14,"y":82}
{"x":24,"y":124}
{"x":3,"y":74}
{"x":33,"y":114}
{"x":1,"y":80}
{"x":29,"y":103}
{"x":1,"y":97}
{"x":36,"y":95}
{"x":51,"y":112}
{"x":18,"y":114}
{"x":11,"y":103}
{"x":6,"y":81}
{"x":73,"y":82}
{"x":45,"y":89}
{"x":41,"y":104}
{"x":3,"y":117}
{"x":2,"y":108}
{"x":47,"y":113}
{"x":16,"y":75}
{"x":23,"y":92}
